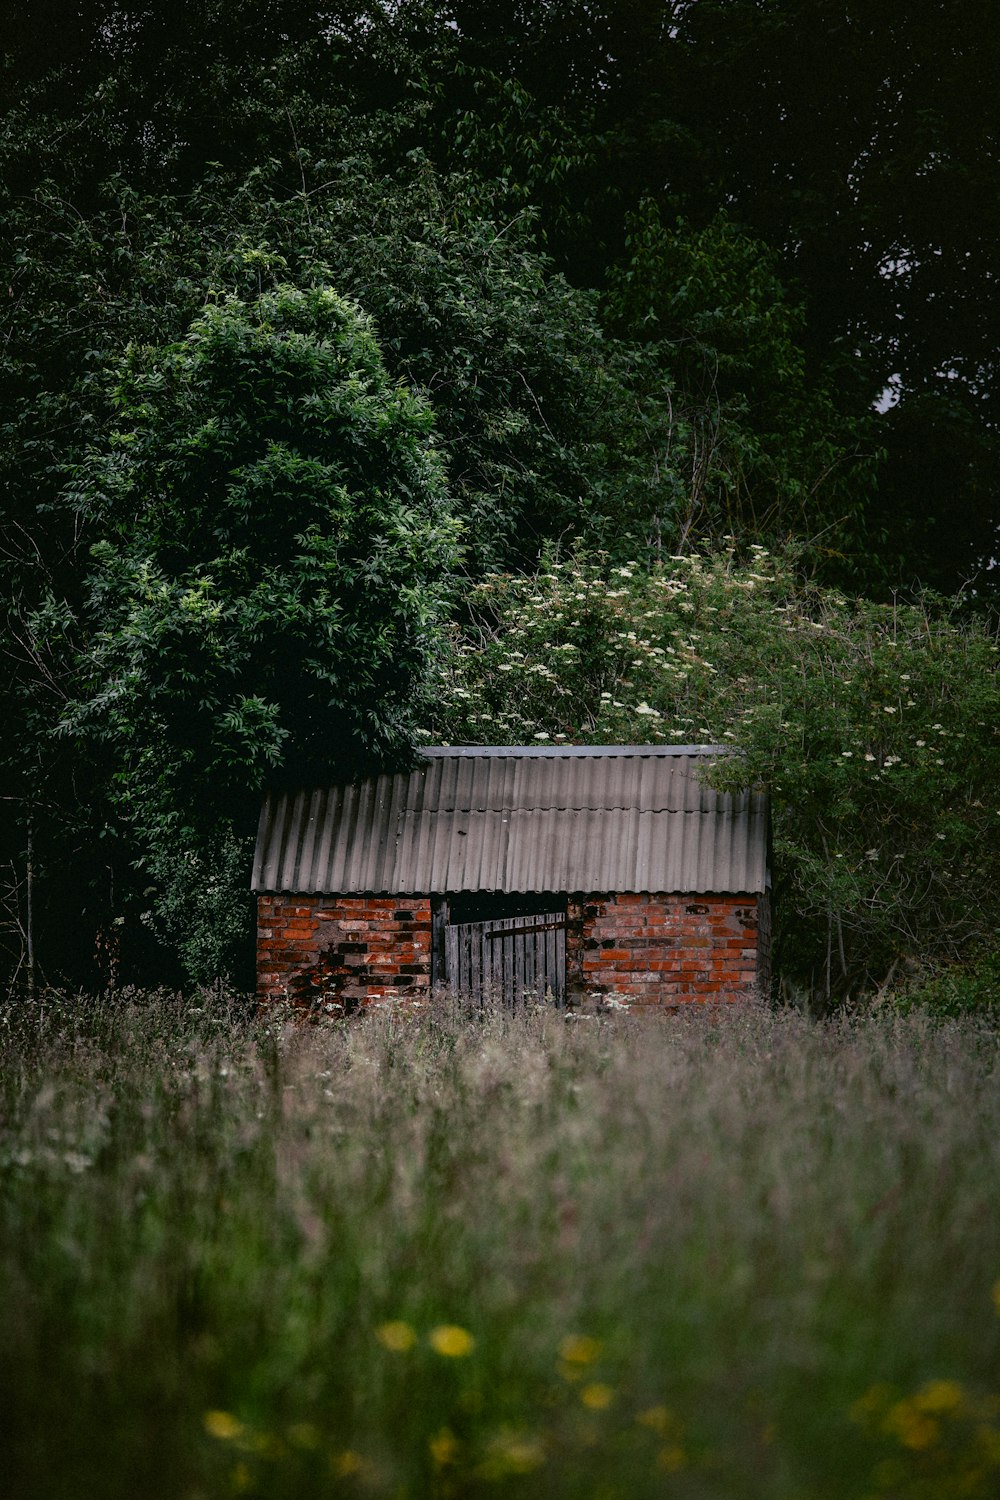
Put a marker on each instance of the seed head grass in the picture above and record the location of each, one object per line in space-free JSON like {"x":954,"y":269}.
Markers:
{"x":428,"y":1255}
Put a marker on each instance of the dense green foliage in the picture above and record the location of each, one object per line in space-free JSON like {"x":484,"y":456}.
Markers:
{"x":423,"y":1255}
{"x":274,"y":541}
{"x":874,"y":726}
{"x":747,"y":443}
{"x":635,"y":275}
{"x":858,"y":143}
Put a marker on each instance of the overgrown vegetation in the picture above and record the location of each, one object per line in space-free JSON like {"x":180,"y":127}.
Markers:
{"x":431,"y":1255}
{"x":573,"y":372}
{"x":874,"y":725}
{"x":317,"y":318}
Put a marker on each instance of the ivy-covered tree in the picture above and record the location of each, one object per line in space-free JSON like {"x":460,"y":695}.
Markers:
{"x":275,"y":543}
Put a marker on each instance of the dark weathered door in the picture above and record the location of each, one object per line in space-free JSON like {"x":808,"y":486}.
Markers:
{"x":507,"y":958}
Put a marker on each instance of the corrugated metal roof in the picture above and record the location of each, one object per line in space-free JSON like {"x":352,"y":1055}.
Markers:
{"x":568,"y":752}
{"x":511,"y":818}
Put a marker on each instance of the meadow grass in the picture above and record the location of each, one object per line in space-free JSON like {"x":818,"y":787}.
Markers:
{"x":429,"y":1255}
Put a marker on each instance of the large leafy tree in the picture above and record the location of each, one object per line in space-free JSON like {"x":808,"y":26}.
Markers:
{"x":274,"y":546}
{"x":532,"y":401}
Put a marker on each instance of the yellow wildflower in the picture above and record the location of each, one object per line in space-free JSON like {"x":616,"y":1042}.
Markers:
{"x":451,"y":1341}
{"x":241,"y":1479}
{"x":671,"y":1458}
{"x":347,"y":1463}
{"x":265,"y":1444}
{"x":939,"y":1397}
{"x":578,"y":1349}
{"x":661,"y":1420}
{"x":222,"y":1425}
{"x":871,"y":1404}
{"x":912,"y":1427}
{"x":396,"y":1335}
{"x":597,"y":1396}
{"x":444,"y":1447}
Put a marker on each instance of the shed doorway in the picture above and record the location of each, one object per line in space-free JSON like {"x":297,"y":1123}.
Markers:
{"x":506,"y":948}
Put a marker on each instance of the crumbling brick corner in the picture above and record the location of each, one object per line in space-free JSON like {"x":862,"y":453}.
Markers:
{"x":333,"y":955}
{"x":665,"y":951}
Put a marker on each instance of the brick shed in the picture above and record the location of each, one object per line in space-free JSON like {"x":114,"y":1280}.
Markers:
{"x":511,"y":869}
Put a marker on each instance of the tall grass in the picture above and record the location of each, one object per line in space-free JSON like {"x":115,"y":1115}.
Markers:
{"x":431,"y":1256}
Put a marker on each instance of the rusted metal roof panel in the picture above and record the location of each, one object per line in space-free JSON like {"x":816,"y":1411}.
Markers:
{"x":618,"y":818}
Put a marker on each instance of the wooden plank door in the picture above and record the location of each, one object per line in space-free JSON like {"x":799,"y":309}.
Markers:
{"x":507,"y":958}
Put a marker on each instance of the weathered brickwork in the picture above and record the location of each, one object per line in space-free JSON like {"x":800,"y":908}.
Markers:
{"x":337,"y":953}
{"x":666,"y":950}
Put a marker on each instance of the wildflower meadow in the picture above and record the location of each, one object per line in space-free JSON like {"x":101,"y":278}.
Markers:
{"x":440,"y":1255}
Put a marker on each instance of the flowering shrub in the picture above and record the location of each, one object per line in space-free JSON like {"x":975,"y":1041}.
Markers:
{"x":875,"y":727}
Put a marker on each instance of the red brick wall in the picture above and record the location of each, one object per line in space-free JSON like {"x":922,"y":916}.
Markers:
{"x":663,"y":950}
{"x":332,"y":954}
{"x":337,"y":953}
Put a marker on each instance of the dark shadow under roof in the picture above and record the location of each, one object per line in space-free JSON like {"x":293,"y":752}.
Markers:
{"x":520,"y":818}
